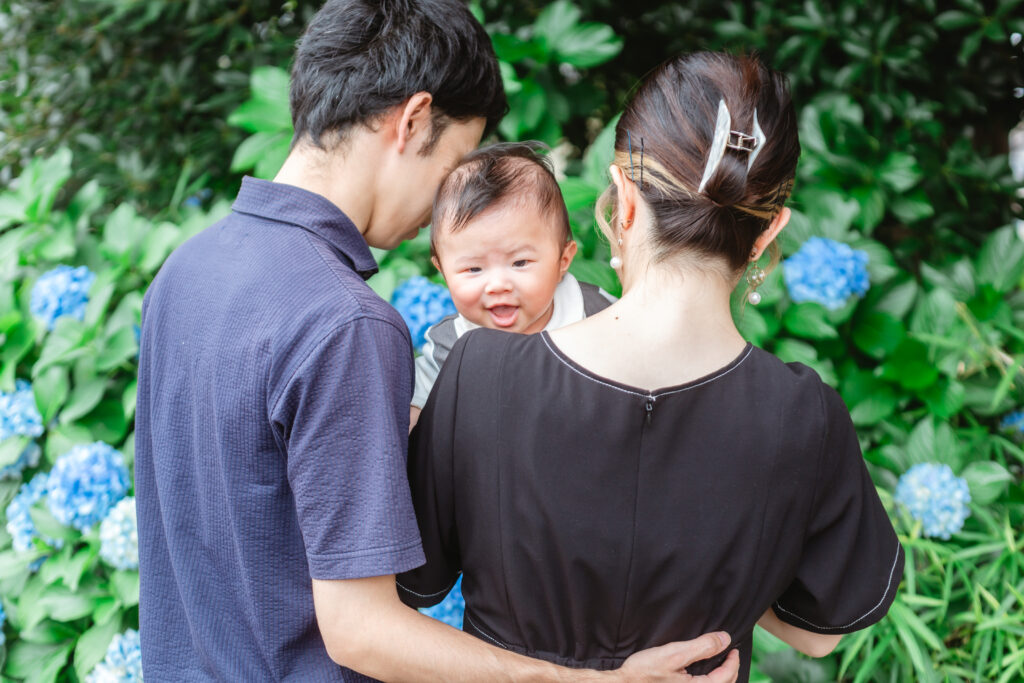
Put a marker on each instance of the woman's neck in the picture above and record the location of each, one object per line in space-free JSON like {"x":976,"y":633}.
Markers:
{"x":672,"y":325}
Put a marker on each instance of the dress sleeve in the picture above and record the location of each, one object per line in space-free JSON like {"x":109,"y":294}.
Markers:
{"x":343,"y":420}
{"x":431,"y":475}
{"x":852,"y":562}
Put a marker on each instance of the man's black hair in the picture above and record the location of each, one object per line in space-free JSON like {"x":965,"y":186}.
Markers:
{"x":359,"y":58}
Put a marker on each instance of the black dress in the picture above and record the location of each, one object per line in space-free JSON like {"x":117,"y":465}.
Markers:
{"x":592,"y":519}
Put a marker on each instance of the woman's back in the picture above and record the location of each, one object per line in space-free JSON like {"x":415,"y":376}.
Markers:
{"x":593,"y":519}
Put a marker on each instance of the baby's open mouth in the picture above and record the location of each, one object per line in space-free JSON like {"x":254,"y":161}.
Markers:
{"x":504,"y":316}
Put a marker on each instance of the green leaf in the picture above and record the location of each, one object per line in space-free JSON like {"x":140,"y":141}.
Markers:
{"x":954,"y":19}
{"x":126,"y":587}
{"x":84,"y":397}
{"x":107,"y":421}
{"x":128,"y":398}
{"x":92,"y":645}
{"x":11,"y":449}
{"x":61,"y":604}
{"x":913,"y":208}
{"x":123,"y":229}
{"x":588,"y":45}
{"x":945,"y":398}
{"x":76,"y":567}
{"x":48,"y":632}
{"x":255,"y":147}
{"x":107,"y":608}
{"x":877,"y":334}
{"x":48,"y":526}
{"x":556,"y":20}
{"x":899,"y":299}
{"x":13,"y":563}
{"x":25,"y":659}
{"x":117,"y":349}
{"x":870,"y":399}
{"x":509,"y":78}
{"x":270,"y":84}
{"x":156,"y":245}
{"x":987,"y":480}
{"x":600,"y":274}
{"x":63,"y":345}
{"x":793,"y":351}
{"x":809,"y":320}
{"x":900,"y":172}
{"x":1001,"y":260}
{"x":909,"y":365}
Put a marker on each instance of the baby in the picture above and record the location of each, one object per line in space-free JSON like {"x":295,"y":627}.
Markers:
{"x":500,"y":237}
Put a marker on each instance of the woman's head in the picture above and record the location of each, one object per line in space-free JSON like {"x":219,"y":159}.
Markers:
{"x":669,"y":126}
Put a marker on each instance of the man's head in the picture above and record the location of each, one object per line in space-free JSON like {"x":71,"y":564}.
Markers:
{"x":501,"y":237}
{"x":419,"y":74}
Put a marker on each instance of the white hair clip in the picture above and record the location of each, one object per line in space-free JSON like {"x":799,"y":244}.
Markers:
{"x":725,"y":137}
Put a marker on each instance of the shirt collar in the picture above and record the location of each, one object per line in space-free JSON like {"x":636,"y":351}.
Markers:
{"x":308,"y":210}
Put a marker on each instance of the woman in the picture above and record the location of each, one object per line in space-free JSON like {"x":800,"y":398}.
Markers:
{"x":646,"y":475}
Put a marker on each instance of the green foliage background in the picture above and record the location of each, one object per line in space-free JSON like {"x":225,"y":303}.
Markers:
{"x":127,"y":124}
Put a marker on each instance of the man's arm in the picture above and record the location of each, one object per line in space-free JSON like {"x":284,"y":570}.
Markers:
{"x":367,"y":628}
{"x":811,"y":644}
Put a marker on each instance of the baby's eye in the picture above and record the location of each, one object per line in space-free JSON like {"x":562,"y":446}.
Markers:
{"x":472,"y":269}
{"x":521,"y":263}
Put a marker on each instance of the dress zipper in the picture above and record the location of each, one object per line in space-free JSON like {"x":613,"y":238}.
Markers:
{"x":649,"y":408}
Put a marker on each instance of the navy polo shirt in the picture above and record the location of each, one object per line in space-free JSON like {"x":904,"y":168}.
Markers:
{"x":270,"y":440}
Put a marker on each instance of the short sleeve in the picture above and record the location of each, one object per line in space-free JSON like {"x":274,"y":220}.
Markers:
{"x":431,"y":476}
{"x":440,"y":338}
{"x":343,"y":417}
{"x":852,"y":561}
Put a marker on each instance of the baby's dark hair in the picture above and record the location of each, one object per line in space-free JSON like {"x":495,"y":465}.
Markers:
{"x":671,"y":118}
{"x":493,"y":176}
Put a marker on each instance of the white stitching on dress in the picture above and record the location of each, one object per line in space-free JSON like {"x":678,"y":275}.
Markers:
{"x":636,"y":393}
{"x":835,"y":628}
{"x":484,"y":634}
{"x":427,"y":595}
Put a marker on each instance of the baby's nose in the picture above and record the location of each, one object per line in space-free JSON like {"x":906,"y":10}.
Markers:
{"x":498,"y":282}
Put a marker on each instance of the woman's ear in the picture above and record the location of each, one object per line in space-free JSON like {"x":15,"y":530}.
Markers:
{"x":769,"y":235}
{"x":625,"y":197}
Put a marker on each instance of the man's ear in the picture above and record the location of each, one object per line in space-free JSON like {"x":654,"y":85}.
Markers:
{"x":413,"y":120}
{"x":568,"y":253}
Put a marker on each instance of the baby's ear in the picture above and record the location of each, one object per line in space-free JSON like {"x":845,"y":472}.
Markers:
{"x":568,"y":253}
{"x":437,"y":264}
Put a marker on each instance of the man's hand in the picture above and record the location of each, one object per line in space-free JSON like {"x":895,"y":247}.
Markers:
{"x":669,"y":662}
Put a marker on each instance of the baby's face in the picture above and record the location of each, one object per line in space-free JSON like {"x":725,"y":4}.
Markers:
{"x":503,"y":266}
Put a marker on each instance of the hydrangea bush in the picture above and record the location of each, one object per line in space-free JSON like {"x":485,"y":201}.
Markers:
{"x":891,"y":288}
{"x":122,"y":663}
{"x":421,"y":303}
{"x":63,"y":291}
{"x":935,"y":497}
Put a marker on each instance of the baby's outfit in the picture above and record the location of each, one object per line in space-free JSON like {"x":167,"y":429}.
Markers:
{"x":574,"y":301}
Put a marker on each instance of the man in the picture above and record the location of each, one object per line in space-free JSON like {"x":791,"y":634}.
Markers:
{"x":274,"y":385}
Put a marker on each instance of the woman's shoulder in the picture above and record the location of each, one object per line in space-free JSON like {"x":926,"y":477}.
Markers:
{"x":794,"y":382}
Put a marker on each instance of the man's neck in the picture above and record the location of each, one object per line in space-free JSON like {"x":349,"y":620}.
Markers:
{"x":347,"y":181}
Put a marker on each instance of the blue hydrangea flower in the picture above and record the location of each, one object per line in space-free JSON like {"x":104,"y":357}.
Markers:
{"x":935,"y":497}
{"x":119,"y":536}
{"x":1013,"y":422}
{"x":19,"y":522}
{"x":451,"y":609}
{"x":60,"y":292}
{"x":85,"y":483}
{"x":421,"y":303}
{"x":123,"y":663}
{"x":827,"y":272}
{"x":20,"y":417}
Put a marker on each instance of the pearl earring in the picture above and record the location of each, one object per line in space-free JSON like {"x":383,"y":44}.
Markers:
{"x":755,"y":277}
{"x":615,"y":262}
